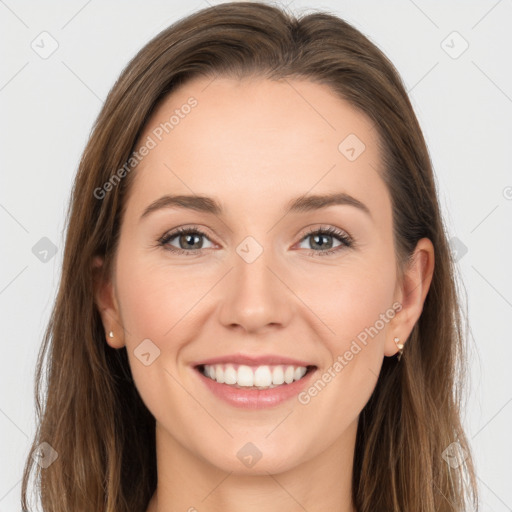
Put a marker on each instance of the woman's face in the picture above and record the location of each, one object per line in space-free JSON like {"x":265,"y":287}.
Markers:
{"x":258,"y":289}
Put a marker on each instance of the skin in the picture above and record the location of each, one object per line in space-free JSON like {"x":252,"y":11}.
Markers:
{"x":253,"y":145}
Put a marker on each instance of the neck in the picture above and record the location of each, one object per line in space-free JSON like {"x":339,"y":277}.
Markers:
{"x":188,"y":483}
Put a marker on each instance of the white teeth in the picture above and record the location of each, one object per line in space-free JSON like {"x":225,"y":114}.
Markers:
{"x":254,"y":376}
{"x":262,"y":377}
{"x":278,"y":375}
{"x":219,"y":374}
{"x":230,"y":374}
{"x":298,"y":374}
{"x":289,"y":374}
{"x":245,"y":376}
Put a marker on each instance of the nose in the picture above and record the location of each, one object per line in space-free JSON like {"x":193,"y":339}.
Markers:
{"x":255,"y":296}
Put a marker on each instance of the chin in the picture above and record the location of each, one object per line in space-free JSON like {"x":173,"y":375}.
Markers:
{"x":249,"y":459}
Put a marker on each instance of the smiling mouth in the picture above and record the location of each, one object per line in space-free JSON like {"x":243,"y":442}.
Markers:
{"x":254,"y":377}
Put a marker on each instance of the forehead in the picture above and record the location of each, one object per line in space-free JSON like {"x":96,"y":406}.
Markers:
{"x":268,"y":140}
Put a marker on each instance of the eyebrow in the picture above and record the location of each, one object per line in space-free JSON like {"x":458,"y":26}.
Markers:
{"x":298,"y":205}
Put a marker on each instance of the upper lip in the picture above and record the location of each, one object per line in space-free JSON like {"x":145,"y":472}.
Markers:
{"x":253,"y":360}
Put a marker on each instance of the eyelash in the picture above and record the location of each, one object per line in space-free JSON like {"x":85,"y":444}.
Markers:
{"x":346,"y":241}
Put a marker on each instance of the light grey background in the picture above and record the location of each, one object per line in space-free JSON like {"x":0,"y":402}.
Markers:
{"x":463,"y":102}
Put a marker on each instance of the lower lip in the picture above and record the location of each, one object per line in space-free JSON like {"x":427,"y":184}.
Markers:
{"x":256,"y":398}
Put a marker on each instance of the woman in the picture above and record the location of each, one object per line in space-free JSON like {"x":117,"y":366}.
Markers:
{"x":201,"y":355}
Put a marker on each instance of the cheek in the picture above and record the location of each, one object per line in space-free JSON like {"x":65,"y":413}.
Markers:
{"x":352,"y":300}
{"x":357,"y":307}
{"x":154,"y":298}
{"x":360,"y":319}
{"x":154,"y":303}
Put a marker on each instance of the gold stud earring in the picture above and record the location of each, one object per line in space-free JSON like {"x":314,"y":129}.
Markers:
{"x":110,"y":334}
{"x":400,"y":347}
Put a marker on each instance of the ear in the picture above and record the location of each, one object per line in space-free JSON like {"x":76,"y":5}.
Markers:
{"x":106,"y":302}
{"x":411,"y":294}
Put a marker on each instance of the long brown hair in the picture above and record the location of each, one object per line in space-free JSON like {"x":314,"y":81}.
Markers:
{"x":92,"y":414}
